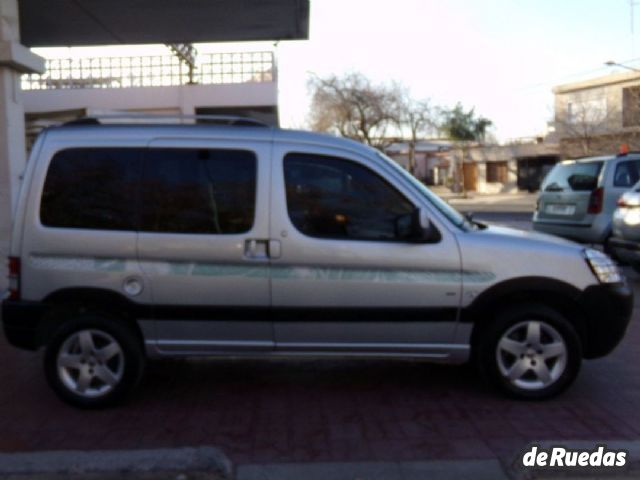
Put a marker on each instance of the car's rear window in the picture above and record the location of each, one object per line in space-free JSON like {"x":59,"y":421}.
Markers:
{"x":572,"y":176}
{"x":93,"y":188}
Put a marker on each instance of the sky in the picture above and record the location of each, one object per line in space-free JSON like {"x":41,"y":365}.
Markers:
{"x":501,"y":57}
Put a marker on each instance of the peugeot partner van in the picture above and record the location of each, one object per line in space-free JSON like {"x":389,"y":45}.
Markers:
{"x":136,"y":242}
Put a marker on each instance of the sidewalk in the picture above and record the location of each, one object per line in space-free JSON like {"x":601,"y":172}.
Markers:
{"x":519,"y":202}
{"x":208,"y":463}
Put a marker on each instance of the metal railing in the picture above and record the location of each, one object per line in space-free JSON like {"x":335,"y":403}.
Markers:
{"x":152,"y":71}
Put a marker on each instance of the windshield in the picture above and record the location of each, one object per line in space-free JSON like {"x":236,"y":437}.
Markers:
{"x":443,"y":207}
{"x":574,"y":176}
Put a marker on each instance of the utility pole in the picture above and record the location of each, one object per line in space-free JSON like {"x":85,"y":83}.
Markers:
{"x":632,"y":5}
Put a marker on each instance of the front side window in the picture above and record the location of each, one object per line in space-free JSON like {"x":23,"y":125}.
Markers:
{"x":329,"y":197}
{"x":92,"y":188}
{"x":198,"y":191}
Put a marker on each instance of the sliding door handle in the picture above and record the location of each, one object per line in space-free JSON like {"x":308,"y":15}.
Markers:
{"x":256,"y":249}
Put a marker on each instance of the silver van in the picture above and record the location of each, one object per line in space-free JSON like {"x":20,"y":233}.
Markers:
{"x":134,"y":242}
{"x":577,"y":197}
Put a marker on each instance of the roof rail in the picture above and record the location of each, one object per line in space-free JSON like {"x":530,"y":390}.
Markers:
{"x":630,"y":152}
{"x":144,"y":118}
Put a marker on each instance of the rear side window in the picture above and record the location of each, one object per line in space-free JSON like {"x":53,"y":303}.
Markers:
{"x":329,"y":197}
{"x":626,"y":173}
{"x":198,"y":191}
{"x":573,"y":176}
{"x":93,"y":188}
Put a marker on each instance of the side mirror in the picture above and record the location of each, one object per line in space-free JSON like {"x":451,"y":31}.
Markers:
{"x":416,"y":227}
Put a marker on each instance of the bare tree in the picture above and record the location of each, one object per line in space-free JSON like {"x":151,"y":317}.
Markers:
{"x":416,"y":118}
{"x":353,"y":107}
{"x":588,"y":125}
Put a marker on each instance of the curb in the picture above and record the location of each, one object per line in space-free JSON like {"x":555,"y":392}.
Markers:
{"x":123,"y":462}
{"x":435,"y":469}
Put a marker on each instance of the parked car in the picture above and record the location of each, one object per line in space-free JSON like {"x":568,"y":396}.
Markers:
{"x":134,"y":242}
{"x":625,"y":243}
{"x":577,"y":197}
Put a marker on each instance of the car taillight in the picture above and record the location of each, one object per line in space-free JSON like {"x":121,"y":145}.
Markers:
{"x":14,"y":278}
{"x":596,"y":200}
{"x":621,"y":203}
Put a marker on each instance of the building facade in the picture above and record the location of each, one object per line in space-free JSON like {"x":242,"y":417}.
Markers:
{"x":593,"y":117}
{"x":503,"y":168}
{"x":238,"y":84}
{"x":487,"y":169}
{"x":432,"y":164}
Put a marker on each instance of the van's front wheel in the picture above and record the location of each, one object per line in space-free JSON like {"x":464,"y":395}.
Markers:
{"x":93,"y":361}
{"x":530,"y":351}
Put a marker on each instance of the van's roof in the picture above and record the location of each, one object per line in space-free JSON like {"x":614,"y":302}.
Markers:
{"x":603,"y":158}
{"x":149,"y":132}
{"x":587,"y":159}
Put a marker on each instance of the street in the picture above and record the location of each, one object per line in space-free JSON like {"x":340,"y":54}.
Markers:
{"x":521,"y":220}
{"x":323,"y":410}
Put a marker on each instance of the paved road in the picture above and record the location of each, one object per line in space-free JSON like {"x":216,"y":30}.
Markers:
{"x":324,"y":410}
{"x":521,"y":220}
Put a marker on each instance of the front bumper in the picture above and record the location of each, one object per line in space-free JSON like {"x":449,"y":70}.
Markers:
{"x":607,"y":310}
{"x":21,"y":321}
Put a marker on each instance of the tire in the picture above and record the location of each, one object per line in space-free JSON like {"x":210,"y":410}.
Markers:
{"x":93,"y":361}
{"x":636,"y":267}
{"x":521,"y":366}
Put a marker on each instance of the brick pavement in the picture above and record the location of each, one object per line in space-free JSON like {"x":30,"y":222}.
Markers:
{"x":323,"y":410}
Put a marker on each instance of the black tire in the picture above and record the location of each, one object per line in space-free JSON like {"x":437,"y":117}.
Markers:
{"x":515,"y":321}
{"x":636,"y":267}
{"x":128,"y":362}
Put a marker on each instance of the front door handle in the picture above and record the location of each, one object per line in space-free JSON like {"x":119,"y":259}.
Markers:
{"x":275,"y":249}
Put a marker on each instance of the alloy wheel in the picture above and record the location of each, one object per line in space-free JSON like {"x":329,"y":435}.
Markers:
{"x":90,"y":363}
{"x":531,"y":355}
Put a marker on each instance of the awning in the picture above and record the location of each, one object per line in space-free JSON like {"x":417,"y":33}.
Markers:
{"x":46,"y":23}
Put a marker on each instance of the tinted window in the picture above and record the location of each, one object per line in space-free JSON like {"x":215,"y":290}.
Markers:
{"x":329,"y":197}
{"x":199,"y":191}
{"x":92,"y":188}
{"x":626,"y":173}
{"x":575,"y":176}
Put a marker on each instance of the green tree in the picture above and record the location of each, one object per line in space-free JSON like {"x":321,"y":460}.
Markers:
{"x":464,"y":127}
{"x":458,"y":124}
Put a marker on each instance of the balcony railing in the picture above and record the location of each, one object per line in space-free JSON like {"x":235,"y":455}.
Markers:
{"x":153,"y":71}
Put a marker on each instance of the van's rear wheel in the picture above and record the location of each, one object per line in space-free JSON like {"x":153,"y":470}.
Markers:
{"x":93,"y":361}
{"x":530,"y":351}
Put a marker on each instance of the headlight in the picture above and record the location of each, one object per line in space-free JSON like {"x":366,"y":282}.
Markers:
{"x":603,"y":267}
{"x":632,"y":217}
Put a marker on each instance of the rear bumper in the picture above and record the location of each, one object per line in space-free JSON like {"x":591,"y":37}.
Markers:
{"x":21,"y":321}
{"x":585,"y":233}
{"x":607,"y":311}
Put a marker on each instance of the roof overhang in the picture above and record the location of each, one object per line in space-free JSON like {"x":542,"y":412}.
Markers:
{"x":48,"y":23}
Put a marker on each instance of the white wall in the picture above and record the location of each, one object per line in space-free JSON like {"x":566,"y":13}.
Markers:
{"x":186,"y":97}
